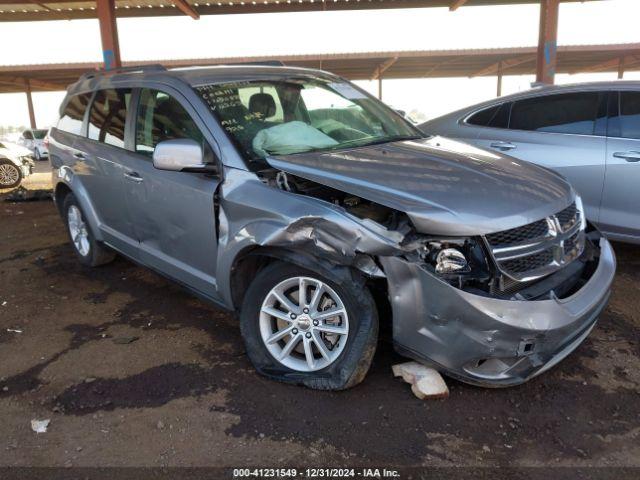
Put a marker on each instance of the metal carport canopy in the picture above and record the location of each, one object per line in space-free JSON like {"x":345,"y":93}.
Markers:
{"x":31,"y":10}
{"x":367,"y":65}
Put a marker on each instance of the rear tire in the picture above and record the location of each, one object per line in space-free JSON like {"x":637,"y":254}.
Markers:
{"x":38,"y":155}
{"x":10,"y":174}
{"x":328,"y":352}
{"x":89,"y":251}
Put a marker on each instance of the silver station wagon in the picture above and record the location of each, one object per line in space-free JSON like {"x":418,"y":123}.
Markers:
{"x":314,"y":211}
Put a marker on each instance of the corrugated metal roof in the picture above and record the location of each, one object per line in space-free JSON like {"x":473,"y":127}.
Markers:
{"x":366,"y":65}
{"x":31,"y":10}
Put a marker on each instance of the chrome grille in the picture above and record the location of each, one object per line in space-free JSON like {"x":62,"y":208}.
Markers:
{"x":539,"y":248}
{"x":530,"y":262}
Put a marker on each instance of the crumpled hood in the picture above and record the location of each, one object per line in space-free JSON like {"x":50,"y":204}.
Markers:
{"x":445,"y":187}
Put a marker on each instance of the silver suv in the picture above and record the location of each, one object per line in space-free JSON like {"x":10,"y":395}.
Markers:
{"x":297,"y":200}
{"x":590,"y":133}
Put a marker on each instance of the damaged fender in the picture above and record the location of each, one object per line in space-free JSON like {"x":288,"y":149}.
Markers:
{"x":253,"y":214}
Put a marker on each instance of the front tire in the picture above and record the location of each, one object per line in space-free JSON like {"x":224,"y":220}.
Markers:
{"x":317,"y":328}
{"x":89,"y":251}
{"x":10,"y":174}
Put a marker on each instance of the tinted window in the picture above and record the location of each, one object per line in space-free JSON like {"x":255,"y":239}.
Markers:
{"x":161,"y":117}
{"x":71,"y":119}
{"x":27,"y":135}
{"x":565,"y":113}
{"x":496,"y":116}
{"x":625,"y":120}
{"x":108,"y":116}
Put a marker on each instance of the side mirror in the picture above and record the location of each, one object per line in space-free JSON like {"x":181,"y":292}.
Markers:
{"x":179,"y":155}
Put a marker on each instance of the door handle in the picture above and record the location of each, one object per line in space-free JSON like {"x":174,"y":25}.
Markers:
{"x":133,"y":176}
{"x":80,"y":156}
{"x":628,"y":156}
{"x":504,"y":146}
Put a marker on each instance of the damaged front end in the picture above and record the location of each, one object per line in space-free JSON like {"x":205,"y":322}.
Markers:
{"x":484,"y":332}
{"x":493,"y":309}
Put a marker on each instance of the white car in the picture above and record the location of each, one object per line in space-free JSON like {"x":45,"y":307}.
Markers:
{"x":33,"y":139}
{"x":15,"y":164}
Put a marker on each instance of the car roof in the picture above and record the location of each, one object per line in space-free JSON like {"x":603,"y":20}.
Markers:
{"x":541,"y":90}
{"x":193,"y":76}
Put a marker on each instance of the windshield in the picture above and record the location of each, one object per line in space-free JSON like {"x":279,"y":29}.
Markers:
{"x":281,"y":117}
{"x":39,"y":134}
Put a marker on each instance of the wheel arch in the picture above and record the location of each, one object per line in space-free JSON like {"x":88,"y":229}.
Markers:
{"x":71,"y":184}
{"x":253,"y":259}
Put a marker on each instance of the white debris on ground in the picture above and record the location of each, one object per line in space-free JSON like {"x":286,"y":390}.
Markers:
{"x":14,"y":330}
{"x":40,"y":426}
{"x":425,"y":382}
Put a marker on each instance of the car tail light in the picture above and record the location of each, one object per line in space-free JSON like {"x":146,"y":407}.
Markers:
{"x":45,"y":141}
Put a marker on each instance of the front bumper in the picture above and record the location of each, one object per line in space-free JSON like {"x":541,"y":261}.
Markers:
{"x":488,"y":341}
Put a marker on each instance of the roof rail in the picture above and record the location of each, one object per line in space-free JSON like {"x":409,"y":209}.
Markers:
{"x":136,"y":68}
{"x":266,"y":63}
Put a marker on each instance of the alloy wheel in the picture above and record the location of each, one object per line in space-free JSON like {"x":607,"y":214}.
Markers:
{"x":9,"y":174}
{"x":304,"y":324}
{"x":78,"y":230}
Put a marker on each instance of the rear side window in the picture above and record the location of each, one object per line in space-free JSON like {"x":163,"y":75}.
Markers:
{"x":108,"y":116}
{"x":496,"y":116}
{"x":625,"y":120}
{"x":161,"y":117}
{"x":71,"y":119}
{"x":573,"y":113}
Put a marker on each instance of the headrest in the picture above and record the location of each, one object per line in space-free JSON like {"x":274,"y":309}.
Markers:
{"x":262,"y":103}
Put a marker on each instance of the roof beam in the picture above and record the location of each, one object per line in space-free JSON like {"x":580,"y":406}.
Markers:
{"x":612,"y":64}
{"x":456,"y":4}
{"x":21,"y":82}
{"x":383,"y":67}
{"x":503,"y":65}
{"x":187,"y":9}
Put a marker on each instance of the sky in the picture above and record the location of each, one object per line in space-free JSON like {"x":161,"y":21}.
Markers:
{"x":612,"y":21}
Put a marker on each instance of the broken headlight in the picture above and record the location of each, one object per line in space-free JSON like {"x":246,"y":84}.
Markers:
{"x":451,"y":260}
{"x":456,"y":260}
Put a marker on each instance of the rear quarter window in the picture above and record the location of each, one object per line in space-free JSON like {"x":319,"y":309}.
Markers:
{"x":71,"y":118}
{"x":495,"y":117}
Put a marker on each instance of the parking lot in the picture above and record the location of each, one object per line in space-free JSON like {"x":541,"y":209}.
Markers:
{"x":132,"y":370}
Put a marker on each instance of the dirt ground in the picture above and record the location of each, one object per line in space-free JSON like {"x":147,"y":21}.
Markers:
{"x":183,"y":393}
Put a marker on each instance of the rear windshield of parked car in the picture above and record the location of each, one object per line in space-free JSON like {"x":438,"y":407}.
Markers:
{"x":295,"y":115}
{"x":39,"y":134}
{"x":71,"y":118}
